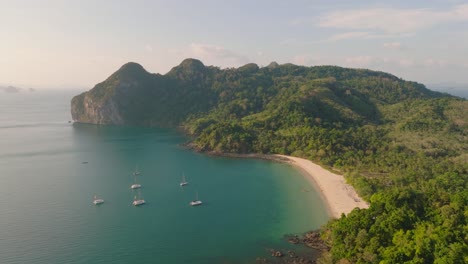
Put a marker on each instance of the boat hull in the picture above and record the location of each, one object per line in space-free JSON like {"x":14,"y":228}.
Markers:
{"x":138,"y":202}
{"x":195,"y":203}
{"x":98,"y":201}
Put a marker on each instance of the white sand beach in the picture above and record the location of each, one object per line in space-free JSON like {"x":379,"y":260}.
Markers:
{"x":339,"y":196}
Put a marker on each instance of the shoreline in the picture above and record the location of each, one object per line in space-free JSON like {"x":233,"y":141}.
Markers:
{"x":338,"y":196}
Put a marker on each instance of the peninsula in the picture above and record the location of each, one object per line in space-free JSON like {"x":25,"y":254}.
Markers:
{"x":402,"y":146}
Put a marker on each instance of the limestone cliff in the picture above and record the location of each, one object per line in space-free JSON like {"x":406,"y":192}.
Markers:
{"x":108,"y":101}
{"x":85,"y":110}
{"x":132,"y":96}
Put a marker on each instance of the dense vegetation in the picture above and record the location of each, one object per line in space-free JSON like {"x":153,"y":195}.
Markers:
{"x":401,"y":145}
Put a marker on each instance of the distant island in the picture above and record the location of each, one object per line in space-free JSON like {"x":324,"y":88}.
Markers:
{"x":13,"y":89}
{"x":10,"y":89}
{"x":402,"y":146}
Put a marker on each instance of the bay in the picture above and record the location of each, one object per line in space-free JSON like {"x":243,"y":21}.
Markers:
{"x":50,"y":170}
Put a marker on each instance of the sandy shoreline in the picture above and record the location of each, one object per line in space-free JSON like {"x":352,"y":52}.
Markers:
{"x":339,"y":196}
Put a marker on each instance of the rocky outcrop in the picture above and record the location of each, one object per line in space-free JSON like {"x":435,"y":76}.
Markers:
{"x":133,"y":96}
{"x":86,"y":110}
{"x":105,"y":103}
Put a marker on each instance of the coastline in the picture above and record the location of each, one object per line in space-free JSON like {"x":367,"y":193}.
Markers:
{"x":338,"y":196}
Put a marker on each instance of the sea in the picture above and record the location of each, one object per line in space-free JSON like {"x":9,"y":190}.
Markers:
{"x":51,"y":168}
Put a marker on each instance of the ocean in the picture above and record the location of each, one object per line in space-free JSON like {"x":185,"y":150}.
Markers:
{"x":50,"y":170}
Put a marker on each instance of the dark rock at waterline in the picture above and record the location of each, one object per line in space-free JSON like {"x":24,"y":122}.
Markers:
{"x":292,"y":254}
{"x":313,"y":240}
{"x":294,"y":240}
{"x":276,"y":253}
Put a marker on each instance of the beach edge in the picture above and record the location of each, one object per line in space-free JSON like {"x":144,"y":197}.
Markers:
{"x":338,"y":196}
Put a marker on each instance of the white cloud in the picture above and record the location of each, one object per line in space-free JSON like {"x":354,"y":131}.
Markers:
{"x":359,"y":61}
{"x":302,"y":60}
{"x":402,"y":62}
{"x":363,"y":35}
{"x":374,"y":62}
{"x":148,"y":48}
{"x":210,"y":55}
{"x":289,"y":42}
{"x":353,"y":61}
{"x":217,"y":55}
{"x":392,"y":20}
{"x":435,"y":63}
{"x":421,"y":63}
{"x":349,"y":35}
{"x":461,"y":12}
{"x":301,"y":21}
{"x":393,"y":45}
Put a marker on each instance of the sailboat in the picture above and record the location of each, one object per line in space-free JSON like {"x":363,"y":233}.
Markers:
{"x":136,"y":172}
{"x":137,"y":201}
{"x":97,"y":201}
{"x":135,"y":185}
{"x":196,"y":201}
{"x":183,"y":182}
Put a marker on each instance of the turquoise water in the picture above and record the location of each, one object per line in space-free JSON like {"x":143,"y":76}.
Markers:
{"x":46,"y":192}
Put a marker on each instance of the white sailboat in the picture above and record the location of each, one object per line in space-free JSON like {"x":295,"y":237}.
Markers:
{"x":136,"y":172}
{"x":97,"y":201}
{"x":183,"y":182}
{"x":137,"y":201}
{"x":135,"y":185}
{"x":196,"y":201}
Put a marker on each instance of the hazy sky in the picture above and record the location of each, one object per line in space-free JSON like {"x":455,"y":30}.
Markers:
{"x":79,"y":43}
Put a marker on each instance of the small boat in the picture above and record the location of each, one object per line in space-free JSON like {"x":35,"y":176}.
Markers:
{"x":97,"y":201}
{"x":135,"y":185}
{"x":183,"y":182}
{"x":196,"y":201}
{"x":137,"y":201}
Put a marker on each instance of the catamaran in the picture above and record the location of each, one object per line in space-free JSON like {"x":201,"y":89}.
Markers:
{"x":196,"y":201}
{"x":183,"y":182}
{"x":138,"y":201}
{"x":97,"y":201}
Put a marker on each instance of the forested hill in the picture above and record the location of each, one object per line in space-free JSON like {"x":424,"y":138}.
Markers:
{"x":133,"y":96}
{"x":403,"y":147}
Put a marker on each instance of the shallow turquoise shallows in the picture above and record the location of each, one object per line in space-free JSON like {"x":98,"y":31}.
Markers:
{"x":51,"y":169}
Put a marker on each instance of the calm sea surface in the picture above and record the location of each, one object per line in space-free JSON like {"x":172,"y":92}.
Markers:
{"x":46,"y":192}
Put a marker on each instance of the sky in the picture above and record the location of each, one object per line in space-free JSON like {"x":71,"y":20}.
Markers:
{"x":71,"y":44}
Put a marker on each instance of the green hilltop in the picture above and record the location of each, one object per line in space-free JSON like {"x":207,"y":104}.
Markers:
{"x":402,"y":146}
{"x":331,"y":93}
